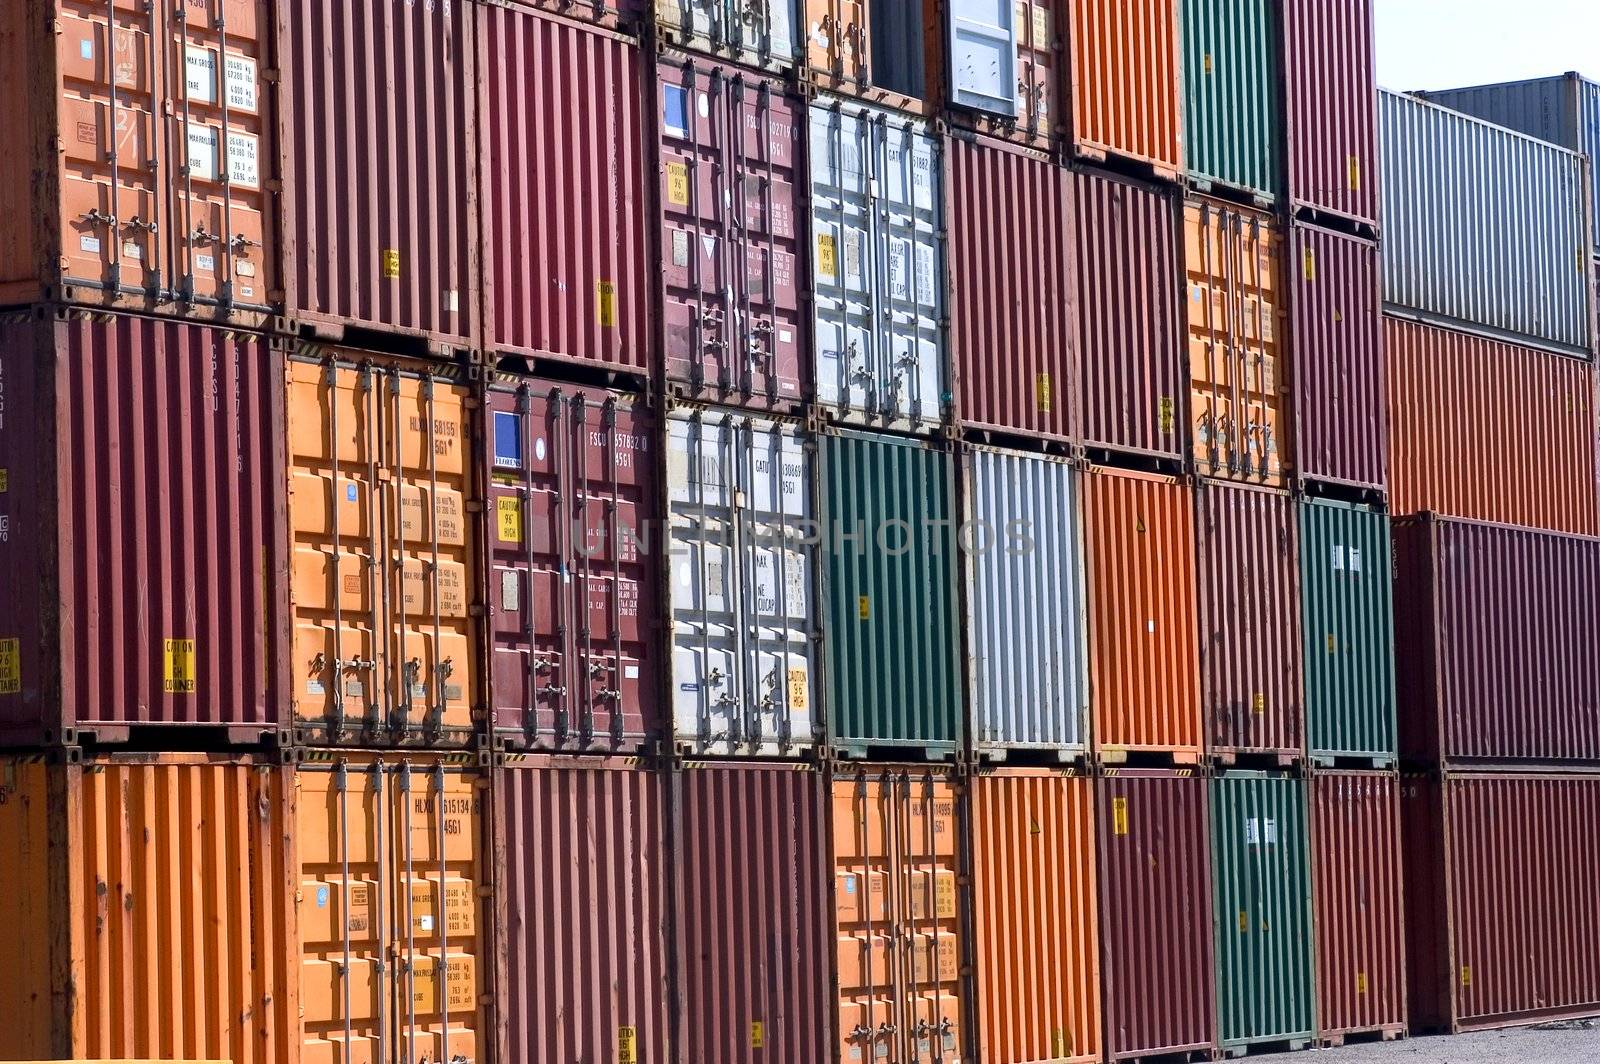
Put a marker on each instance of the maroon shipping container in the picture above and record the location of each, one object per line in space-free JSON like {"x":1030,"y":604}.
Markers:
{"x":1014,"y":288}
{"x":1250,"y":651}
{"x":1330,"y":75}
{"x":731,"y":178}
{"x":1155,"y":912}
{"x":753,"y":920}
{"x":574,"y":572}
{"x":380,"y":158}
{"x":1502,"y":896}
{"x":143,"y":551}
{"x":580,"y":908}
{"x":1131,"y":339}
{"x":1499,"y":632}
{"x":1336,"y":334}
{"x":566,"y":254}
{"x":1356,"y":894}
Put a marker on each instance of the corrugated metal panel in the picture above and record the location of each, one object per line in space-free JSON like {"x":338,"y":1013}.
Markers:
{"x":1500,"y":630}
{"x":380,"y":193}
{"x":1505,"y":251}
{"x":877,"y":206}
{"x":1155,"y":913}
{"x":1143,"y":618}
{"x":891,"y":626}
{"x":744,"y":670}
{"x":1006,"y":68}
{"x":752,"y":898}
{"x":1027,"y":668}
{"x":1332,"y":122}
{"x":767,"y":36}
{"x":1250,"y":665}
{"x":581,"y":911}
{"x":730,"y":233}
{"x":1126,"y":85}
{"x":566,"y":258}
{"x":1035,"y":930}
{"x":141,"y":530}
{"x":1261,"y":856}
{"x":1014,"y":290}
{"x":1347,"y":614}
{"x":1130,"y":320}
{"x":1358,"y":912}
{"x":1231,"y":106}
{"x":1336,"y":336}
{"x":1464,"y":415}
{"x":612,"y":14}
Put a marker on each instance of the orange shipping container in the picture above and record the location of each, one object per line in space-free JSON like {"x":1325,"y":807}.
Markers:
{"x":1125,"y":84}
{"x":1035,"y":936}
{"x":889,"y":53}
{"x":1143,"y":620}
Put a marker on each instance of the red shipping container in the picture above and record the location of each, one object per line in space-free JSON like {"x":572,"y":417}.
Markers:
{"x":1014,"y":285}
{"x":566,"y":255}
{"x":143,"y":538}
{"x":573,"y":574}
{"x":1330,"y":75}
{"x":731,"y":176}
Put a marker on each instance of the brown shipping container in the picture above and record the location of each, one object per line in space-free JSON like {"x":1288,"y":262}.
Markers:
{"x":1143,"y":618}
{"x":1131,"y":341}
{"x":1035,"y":922}
{"x":1330,"y":72}
{"x":385,"y":583}
{"x":1248,"y":562}
{"x":622,"y":15}
{"x":1015,"y":292}
{"x":148,"y":909}
{"x":582,"y":968}
{"x":1336,"y":334}
{"x":1356,"y":893}
{"x":380,"y":168}
{"x":1124,"y":63}
{"x":1502,"y":892}
{"x":751,"y":901}
{"x":1155,"y":912}
{"x":139,"y":158}
{"x":142,"y":546}
{"x":1488,"y":430}
{"x":897,"y":901}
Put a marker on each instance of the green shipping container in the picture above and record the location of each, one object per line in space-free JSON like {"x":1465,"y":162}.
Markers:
{"x":1347,"y":615}
{"x":1261,"y":862}
{"x":1231,"y":105}
{"x":890,"y":592}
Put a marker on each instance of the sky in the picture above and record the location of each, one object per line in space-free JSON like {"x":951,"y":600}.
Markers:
{"x":1440,"y":44}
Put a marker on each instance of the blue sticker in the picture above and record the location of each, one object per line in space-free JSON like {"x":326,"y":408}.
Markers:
{"x":850,"y":885}
{"x":350,"y":493}
{"x":322,"y":897}
{"x":86,"y":49}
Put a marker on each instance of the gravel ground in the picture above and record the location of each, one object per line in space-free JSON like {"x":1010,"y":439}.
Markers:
{"x":1556,"y":1043}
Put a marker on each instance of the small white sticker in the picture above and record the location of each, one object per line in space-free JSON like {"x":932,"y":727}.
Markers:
{"x":205,"y":263}
{"x":538,"y":448}
{"x":785,"y":336}
{"x":680,"y":248}
{"x":241,"y":75}
{"x":314,"y":687}
{"x":1272,"y":831}
{"x":425,"y":922}
{"x":1252,"y":832}
{"x":86,"y":49}
{"x":452,"y":301}
{"x":702,"y":104}
{"x":1150,"y":626}
{"x":1338,"y":558}
{"x":133,"y":249}
{"x":1355,"y":559}
{"x":630,"y":672}
{"x":244,"y":168}
{"x":90,"y":244}
{"x":200,"y":70}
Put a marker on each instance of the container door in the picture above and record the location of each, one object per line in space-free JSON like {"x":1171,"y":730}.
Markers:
{"x":760,"y":34}
{"x":983,"y":55}
{"x":838,"y":45}
{"x":927,"y":918}
{"x":1038,"y":56}
{"x":870,"y":956}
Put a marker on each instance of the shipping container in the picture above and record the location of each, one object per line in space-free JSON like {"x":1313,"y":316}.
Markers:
{"x":1035,"y":933}
{"x":1357,"y":908}
{"x":142,"y":540}
{"x":1231,"y":104}
{"x":380,"y":188}
{"x":751,"y":902}
{"x":890,"y":569}
{"x":1014,"y":290}
{"x":574,"y":571}
{"x":1144,"y":670}
{"x":1261,"y":858}
{"x":1489,"y":431}
{"x":878,"y":226}
{"x":1506,"y":253}
{"x":1336,"y":334}
{"x":1232,"y":257}
{"x":1155,"y":913}
{"x":1006,"y":72}
{"x":566,"y":255}
{"x":1130,"y":318}
{"x":1500,"y":633}
{"x":148,"y":910}
{"x":889,"y":52}
{"x":1331,"y":120}
{"x":765,"y":36}
{"x":745,"y":635}
{"x":624,"y":15}
{"x":898,"y":900}
{"x":384,"y":581}
{"x":1502,"y":895}
{"x":730,"y":183}
{"x":1247,"y":564}
{"x":139,"y":163}
{"x":1347,"y":619}
{"x":581,"y":910}
{"x":1127,"y":85}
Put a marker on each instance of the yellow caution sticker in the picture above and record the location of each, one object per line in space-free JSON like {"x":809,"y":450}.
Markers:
{"x":1119,"y":816}
{"x":864,"y":607}
{"x":177,"y":667}
{"x":389,"y":264}
{"x":605,"y":304}
{"x":1333,"y":644}
{"x":627,"y":1045}
{"x":10,"y":666}
{"x":1466,"y":975}
{"x":1309,"y":264}
{"x":508,"y":519}
{"x":827,"y":257}
{"x":1164,"y":413}
{"x":1210,"y":66}
{"x":1060,"y":1044}
{"x":678,"y":184}
{"x":1260,"y":704}
{"x":1361,"y":982}
{"x":5,"y":481}
{"x":1244,"y":922}
{"x":1043,"y":393}
{"x":758,"y":1035}
{"x":1355,"y":173}
{"x":798,"y":697}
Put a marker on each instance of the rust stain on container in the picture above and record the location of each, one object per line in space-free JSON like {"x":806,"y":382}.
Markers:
{"x":1330,"y":73}
{"x":1123,"y":60}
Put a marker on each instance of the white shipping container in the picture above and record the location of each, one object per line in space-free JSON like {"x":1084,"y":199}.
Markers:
{"x":755,"y":34}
